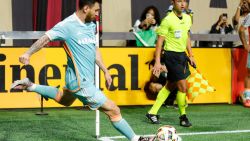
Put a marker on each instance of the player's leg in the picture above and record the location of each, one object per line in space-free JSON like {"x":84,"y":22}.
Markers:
{"x":95,"y":99}
{"x":119,"y":123}
{"x":65,"y":98}
{"x":245,"y":96}
{"x":247,"y":79}
{"x":45,"y":91}
{"x":181,"y":101}
{"x":161,"y":97}
{"x":170,"y":101}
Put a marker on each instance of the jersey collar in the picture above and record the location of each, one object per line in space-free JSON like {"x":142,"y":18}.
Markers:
{"x":177,"y":16}
{"x":80,"y":22}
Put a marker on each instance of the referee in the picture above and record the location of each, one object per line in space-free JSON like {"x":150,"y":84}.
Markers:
{"x":175,"y":31}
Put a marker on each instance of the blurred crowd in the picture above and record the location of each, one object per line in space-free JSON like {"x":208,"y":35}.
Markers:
{"x":145,"y":26}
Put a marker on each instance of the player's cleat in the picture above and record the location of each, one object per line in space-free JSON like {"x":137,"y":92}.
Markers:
{"x":184,"y":121}
{"x":153,"y":118}
{"x":146,"y":138}
{"x":21,"y":84}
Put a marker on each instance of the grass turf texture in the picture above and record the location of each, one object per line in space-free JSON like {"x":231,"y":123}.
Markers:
{"x":69,"y":124}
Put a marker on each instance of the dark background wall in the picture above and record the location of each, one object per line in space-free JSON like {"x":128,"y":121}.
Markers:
{"x":22,"y":19}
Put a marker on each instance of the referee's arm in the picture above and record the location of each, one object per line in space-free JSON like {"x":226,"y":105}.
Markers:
{"x":157,"y":65}
{"x":190,"y":53}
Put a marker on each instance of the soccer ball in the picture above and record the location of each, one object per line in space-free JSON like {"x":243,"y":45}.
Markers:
{"x":167,"y":133}
{"x":245,"y":98}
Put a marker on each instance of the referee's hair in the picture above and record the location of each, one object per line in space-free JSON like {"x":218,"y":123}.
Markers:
{"x":90,"y":3}
{"x":186,"y":1}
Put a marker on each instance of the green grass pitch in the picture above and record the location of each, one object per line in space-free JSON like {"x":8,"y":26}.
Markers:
{"x":70,"y":124}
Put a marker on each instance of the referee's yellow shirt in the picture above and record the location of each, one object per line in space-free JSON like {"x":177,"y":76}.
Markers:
{"x":175,"y":31}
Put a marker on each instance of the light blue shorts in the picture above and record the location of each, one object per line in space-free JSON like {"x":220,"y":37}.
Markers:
{"x":91,"y":96}
{"x":248,"y":60}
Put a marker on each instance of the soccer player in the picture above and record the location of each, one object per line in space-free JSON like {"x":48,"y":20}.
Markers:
{"x":245,"y":96}
{"x":78,"y":32}
{"x":175,"y":31}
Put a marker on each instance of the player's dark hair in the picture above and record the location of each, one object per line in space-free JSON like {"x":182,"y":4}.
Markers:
{"x":90,"y":3}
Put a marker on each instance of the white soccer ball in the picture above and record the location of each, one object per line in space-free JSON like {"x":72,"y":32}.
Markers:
{"x":167,"y":133}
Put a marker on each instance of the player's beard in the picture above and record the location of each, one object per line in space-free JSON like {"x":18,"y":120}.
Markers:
{"x":89,"y":18}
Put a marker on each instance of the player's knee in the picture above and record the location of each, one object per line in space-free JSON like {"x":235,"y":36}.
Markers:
{"x":182,"y":89}
{"x":115,"y":114}
{"x":116,"y":110}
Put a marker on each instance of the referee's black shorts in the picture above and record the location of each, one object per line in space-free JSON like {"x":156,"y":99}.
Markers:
{"x":177,"y":65}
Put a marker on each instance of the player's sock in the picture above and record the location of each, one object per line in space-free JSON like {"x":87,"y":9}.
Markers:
{"x":124,"y":128}
{"x":45,"y":91}
{"x":161,"y":97}
{"x":136,"y":138}
{"x":181,"y":101}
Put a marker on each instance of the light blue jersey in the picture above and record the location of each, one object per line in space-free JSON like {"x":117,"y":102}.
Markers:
{"x":80,"y":46}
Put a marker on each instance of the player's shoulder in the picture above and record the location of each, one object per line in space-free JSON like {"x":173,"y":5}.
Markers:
{"x":246,"y":20}
{"x":247,"y":17}
{"x":67,"y":21}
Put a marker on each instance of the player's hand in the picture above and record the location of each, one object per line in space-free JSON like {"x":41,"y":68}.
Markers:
{"x":192,"y":61}
{"x":25,"y":59}
{"x":247,"y":47}
{"x":157,"y":69}
{"x":108,"y":79}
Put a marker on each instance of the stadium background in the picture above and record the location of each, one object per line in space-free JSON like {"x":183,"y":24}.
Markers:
{"x":117,"y":16}
{"x":211,"y":122}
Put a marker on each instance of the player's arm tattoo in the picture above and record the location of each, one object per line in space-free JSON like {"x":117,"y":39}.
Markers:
{"x":44,"y":40}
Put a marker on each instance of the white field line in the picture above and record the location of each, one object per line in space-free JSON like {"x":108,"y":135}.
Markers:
{"x":182,"y":134}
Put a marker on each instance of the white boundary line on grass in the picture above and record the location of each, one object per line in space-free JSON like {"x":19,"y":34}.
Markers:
{"x":182,"y":134}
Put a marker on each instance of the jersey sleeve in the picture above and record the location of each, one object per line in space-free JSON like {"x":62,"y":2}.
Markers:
{"x":246,"y":22}
{"x":58,"y":32}
{"x":162,"y":30}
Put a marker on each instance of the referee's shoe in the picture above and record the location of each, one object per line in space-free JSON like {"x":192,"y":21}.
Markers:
{"x":184,"y":121}
{"x":153,"y":118}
